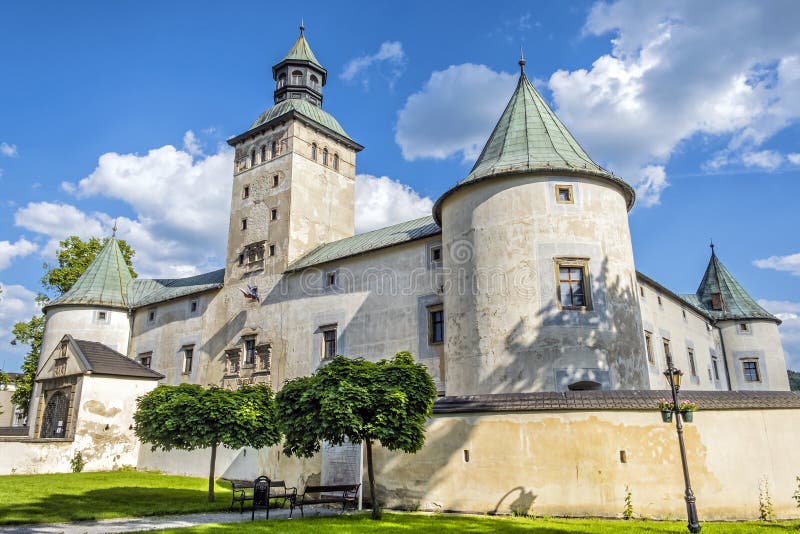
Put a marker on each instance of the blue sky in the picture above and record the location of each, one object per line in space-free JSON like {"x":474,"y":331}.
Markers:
{"x":120,"y":110}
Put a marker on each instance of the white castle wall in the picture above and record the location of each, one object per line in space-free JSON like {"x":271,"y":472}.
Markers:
{"x":762,"y":342}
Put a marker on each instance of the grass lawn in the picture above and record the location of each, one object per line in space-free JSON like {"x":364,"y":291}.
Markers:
{"x":443,"y":523}
{"x":80,"y":496}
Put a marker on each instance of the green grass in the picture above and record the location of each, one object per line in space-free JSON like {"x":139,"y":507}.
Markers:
{"x":408,"y":523}
{"x":82,"y":496}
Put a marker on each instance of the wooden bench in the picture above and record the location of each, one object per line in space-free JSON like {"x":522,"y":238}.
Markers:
{"x":342,"y":493}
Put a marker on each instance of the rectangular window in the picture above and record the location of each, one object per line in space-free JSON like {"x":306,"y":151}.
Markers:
{"x":750,"y":370}
{"x":684,"y":313}
{"x":101,"y":315}
{"x":573,"y":280}
{"x":273,"y":215}
{"x":241,"y":259}
{"x":435,"y":325}
{"x":648,"y":341}
{"x":272,"y":250}
{"x":744,"y":327}
{"x":641,"y":291}
{"x":246,"y":191}
{"x":692,"y":367}
{"x":275,"y":181}
{"x":659,"y":300}
{"x":667,"y":352}
{"x":715,"y":367}
{"x":328,"y":342}
{"x":716,"y":301}
{"x":151,"y":316}
{"x":249,"y":351}
{"x":146,"y":359}
{"x":330,"y":279}
{"x":564,"y":194}
{"x":244,"y":224}
{"x":436,"y":254}
{"x":188,"y":357}
{"x":193,"y":306}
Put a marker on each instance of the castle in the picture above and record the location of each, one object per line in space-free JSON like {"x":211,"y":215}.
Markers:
{"x":519,"y":288}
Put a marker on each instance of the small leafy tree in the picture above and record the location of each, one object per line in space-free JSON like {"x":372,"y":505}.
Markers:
{"x":190,"y":417}
{"x":388,"y":401}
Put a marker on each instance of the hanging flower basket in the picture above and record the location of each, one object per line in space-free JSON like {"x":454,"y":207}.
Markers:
{"x":687,"y":416}
{"x":687,"y":409}
{"x":666,"y":416}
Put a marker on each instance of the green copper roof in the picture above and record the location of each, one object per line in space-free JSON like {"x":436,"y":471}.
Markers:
{"x":368,"y":241}
{"x":307,"y":110}
{"x":145,"y":292}
{"x":104,"y":283}
{"x":529,"y":138}
{"x":301,"y":52}
{"x":736,"y":302}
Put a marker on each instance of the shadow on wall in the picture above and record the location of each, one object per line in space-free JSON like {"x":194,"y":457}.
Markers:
{"x":433,"y":468}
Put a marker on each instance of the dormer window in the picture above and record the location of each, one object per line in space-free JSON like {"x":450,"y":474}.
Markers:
{"x":716,"y":301}
{"x":297,"y":77}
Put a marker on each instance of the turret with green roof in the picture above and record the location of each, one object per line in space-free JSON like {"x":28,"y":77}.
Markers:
{"x":529,"y":138}
{"x":723,"y":297}
{"x":103,"y":283}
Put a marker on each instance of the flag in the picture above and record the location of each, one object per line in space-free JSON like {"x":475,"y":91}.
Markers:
{"x":251,"y":293}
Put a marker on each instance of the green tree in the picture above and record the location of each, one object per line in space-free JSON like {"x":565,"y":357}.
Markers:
{"x":794,"y":380}
{"x":387,"y":402}
{"x":74,"y":255}
{"x":189,"y":417}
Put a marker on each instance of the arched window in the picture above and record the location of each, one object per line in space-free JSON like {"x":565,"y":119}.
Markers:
{"x":274,"y":149}
{"x":314,"y":151}
{"x":314,"y":81}
{"x":54,"y":422}
{"x":253,"y":157}
{"x":263,"y":153}
{"x":281,"y":80}
{"x":297,"y":77}
{"x":336,"y":162}
{"x":324,"y":156}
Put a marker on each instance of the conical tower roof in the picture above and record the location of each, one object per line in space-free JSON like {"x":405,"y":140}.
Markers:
{"x":300,"y":51}
{"x":724,"y":297}
{"x":530,"y":138}
{"x":104,"y":283}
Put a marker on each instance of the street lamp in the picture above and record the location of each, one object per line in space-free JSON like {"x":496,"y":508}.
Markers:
{"x":674,"y":380}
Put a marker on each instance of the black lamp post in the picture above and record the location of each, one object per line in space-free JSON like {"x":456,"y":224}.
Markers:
{"x":674,"y":380}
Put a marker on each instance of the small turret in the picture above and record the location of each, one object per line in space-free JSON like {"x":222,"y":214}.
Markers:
{"x":299,"y":74}
{"x":751,"y":342}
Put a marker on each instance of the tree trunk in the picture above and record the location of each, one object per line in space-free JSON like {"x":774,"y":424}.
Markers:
{"x":211,"y":473}
{"x":376,"y":510}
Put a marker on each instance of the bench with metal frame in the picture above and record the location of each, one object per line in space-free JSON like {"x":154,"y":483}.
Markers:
{"x":335,"y":494}
{"x":245,"y":490}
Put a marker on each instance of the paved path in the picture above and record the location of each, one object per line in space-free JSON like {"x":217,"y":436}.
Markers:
{"x":128,"y":524}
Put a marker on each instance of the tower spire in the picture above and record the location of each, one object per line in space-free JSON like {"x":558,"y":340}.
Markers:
{"x":302,"y":26}
{"x":521,"y":60}
{"x":712,"y":247}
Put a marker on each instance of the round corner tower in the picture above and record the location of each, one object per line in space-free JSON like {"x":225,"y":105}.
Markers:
{"x":539,"y":275}
{"x":95,"y":308}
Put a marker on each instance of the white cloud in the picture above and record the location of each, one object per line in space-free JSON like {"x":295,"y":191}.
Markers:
{"x":16,"y":304}
{"x":192,"y":144}
{"x":390,"y":53}
{"x":765,"y":159}
{"x":8,"y":251}
{"x":8,"y":150}
{"x":382,"y":202}
{"x":180,"y":204}
{"x":789,"y":313}
{"x":794,"y":158}
{"x":679,"y":69}
{"x":453,"y":113}
{"x":789,"y":263}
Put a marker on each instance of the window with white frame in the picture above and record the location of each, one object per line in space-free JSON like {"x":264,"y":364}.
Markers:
{"x":328,"y":342}
{"x":188,"y":359}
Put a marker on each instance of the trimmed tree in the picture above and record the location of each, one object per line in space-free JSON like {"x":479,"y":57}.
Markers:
{"x":189,"y":417}
{"x":387,"y":402}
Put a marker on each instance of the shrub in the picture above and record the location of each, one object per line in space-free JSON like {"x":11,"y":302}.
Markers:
{"x":766,"y":511}
{"x":77,"y":462}
{"x":627,"y":512}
